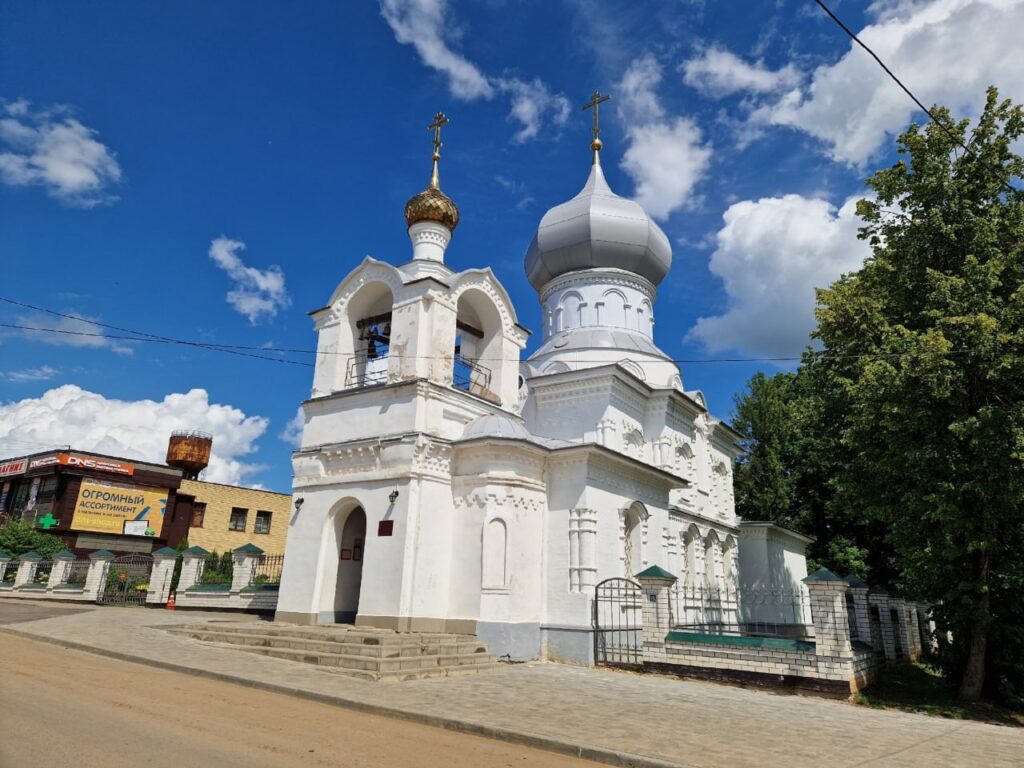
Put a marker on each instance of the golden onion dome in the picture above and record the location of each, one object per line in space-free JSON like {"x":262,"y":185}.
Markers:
{"x":432,"y":205}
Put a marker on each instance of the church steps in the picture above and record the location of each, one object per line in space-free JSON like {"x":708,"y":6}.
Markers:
{"x":451,"y":648}
{"x":370,"y":668}
{"x":371,"y":655}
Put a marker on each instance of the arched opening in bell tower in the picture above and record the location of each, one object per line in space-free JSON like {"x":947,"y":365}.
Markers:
{"x":369,"y":316}
{"x":478,"y":363}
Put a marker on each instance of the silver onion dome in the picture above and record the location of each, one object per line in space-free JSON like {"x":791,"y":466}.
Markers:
{"x":597,"y":229}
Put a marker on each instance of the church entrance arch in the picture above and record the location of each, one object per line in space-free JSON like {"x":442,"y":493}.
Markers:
{"x":342,"y":562}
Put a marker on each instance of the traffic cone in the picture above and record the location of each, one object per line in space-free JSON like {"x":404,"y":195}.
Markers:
{"x":170,"y":602}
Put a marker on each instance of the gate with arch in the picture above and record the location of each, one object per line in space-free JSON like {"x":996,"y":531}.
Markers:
{"x":127,"y":580}
{"x":618,"y":623}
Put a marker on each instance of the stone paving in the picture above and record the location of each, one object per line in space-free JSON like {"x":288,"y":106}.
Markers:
{"x":616,"y":717}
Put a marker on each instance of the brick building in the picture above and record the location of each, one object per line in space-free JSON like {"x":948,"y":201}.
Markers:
{"x":93,"y":501}
{"x":225,"y":517}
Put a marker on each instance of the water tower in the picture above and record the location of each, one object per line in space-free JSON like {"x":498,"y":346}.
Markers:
{"x":189,"y":451}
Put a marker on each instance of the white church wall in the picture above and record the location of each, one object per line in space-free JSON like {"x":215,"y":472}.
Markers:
{"x":566,"y":630}
{"x":312,"y":552}
{"x":431,"y":551}
{"x":356,"y":414}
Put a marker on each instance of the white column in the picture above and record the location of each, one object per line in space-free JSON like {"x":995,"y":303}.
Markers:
{"x":96,"y":579}
{"x":61,"y":567}
{"x":588,"y":549}
{"x":160,"y":579}
{"x":192,"y":560}
{"x":243,"y":561}
{"x":27,"y":565}
{"x":574,"y":550}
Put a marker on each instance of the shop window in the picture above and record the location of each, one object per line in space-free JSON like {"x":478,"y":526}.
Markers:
{"x":262,"y":522}
{"x":237,"y":520}
{"x":198,"y":514}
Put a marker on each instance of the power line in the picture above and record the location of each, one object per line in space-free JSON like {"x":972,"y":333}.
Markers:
{"x":916,"y":100}
{"x":154,"y":340}
{"x":135,"y":335}
{"x":229,"y":348}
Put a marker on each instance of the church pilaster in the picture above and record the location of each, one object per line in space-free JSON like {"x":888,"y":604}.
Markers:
{"x":582,"y":550}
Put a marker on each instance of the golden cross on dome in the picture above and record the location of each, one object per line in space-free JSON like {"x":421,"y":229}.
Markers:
{"x":439,"y":121}
{"x":596,"y":99}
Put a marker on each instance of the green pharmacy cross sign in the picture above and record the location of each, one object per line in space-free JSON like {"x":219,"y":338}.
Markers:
{"x":48,"y":521}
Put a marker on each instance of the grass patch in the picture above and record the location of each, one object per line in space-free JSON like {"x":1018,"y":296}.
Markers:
{"x":922,"y":688}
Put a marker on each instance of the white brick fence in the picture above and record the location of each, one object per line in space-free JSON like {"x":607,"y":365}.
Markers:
{"x":852,"y":632}
{"x":66,"y":577}
{"x":244,"y":593}
{"x":22,"y":576}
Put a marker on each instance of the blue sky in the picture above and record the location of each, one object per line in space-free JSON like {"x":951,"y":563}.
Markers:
{"x":134,"y":136}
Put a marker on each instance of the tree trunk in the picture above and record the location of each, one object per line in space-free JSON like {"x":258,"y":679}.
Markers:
{"x":973,"y":679}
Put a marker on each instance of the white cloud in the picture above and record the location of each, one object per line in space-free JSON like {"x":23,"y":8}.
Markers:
{"x":51,"y":149}
{"x":946,"y":51}
{"x":134,"y":429}
{"x":531,"y":104}
{"x":257,"y":293}
{"x":292,"y":433}
{"x":636,"y":92}
{"x":719,"y":72}
{"x":42,"y":373}
{"x":771,"y":254}
{"x":423,"y":24}
{"x":74,"y":331}
{"x":427,"y":26}
{"x":666,"y":156}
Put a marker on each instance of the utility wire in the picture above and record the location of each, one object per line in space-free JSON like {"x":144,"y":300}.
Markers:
{"x":135,"y":335}
{"x":154,"y":340}
{"x":916,"y":100}
{"x":230,"y":348}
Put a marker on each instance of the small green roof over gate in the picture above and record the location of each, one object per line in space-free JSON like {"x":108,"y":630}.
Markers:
{"x":655,"y":572}
{"x":823,"y":574}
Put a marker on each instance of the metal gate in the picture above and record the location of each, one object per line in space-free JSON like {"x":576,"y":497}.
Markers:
{"x":127,"y":580}
{"x":618,"y":623}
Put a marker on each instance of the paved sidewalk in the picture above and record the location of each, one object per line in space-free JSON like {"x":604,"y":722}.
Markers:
{"x":619,"y":718}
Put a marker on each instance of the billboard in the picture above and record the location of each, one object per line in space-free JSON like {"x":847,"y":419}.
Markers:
{"x":15,"y":467}
{"x":84,"y":462}
{"x":135,"y":511}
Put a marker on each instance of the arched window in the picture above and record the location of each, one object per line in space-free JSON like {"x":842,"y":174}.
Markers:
{"x":571,"y":309}
{"x":495,"y":554}
{"x":633,"y":443}
{"x":614,"y":312}
{"x":633,"y":539}
{"x":712,"y":553}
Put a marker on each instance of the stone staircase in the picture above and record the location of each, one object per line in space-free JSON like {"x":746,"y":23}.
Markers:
{"x":362,"y":652}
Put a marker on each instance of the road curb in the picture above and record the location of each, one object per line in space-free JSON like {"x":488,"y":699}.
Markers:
{"x":584,"y":751}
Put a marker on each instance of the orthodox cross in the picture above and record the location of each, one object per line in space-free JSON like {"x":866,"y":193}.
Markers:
{"x":595,"y":100}
{"x":439,"y":121}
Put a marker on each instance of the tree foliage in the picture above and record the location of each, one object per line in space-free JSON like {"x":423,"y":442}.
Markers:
{"x":18,"y":537}
{"x":916,"y":393}
{"x":785,"y":476}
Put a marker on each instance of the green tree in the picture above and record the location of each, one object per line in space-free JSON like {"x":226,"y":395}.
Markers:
{"x":765,"y":477}
{"x":923,"y":354}
{"x":791,"y":454}
{"x":17,"y":538}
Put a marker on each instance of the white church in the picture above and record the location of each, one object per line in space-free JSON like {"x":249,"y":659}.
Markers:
{"x":447,"y":484}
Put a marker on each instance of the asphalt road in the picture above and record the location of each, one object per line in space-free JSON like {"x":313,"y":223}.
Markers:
{"x":67,"y":708}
